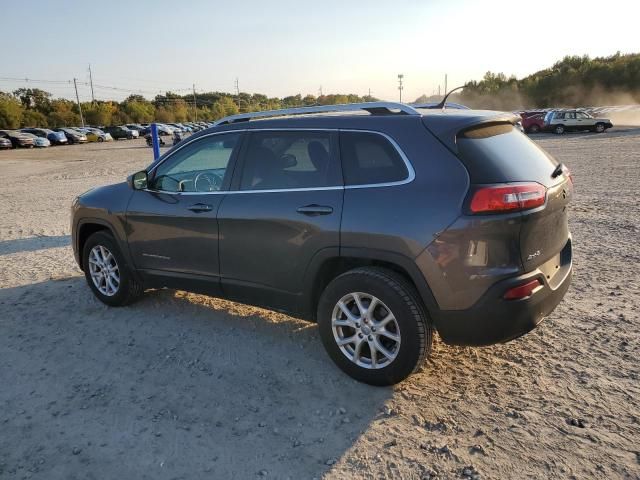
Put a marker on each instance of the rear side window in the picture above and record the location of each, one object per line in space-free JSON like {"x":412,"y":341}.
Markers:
{"x":369,"y":158}
{"x":288,"y":160}
{"x":499,"y":153}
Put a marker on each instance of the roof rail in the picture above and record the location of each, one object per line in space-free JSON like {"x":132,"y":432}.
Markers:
{"x":374,"y":108}
{"x":434,"y":105}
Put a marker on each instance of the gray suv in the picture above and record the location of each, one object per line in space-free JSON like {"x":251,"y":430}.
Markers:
{"x":381,"y":222}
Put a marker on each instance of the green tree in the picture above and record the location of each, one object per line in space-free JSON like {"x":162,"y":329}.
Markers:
{"x":32,"y":118}
{"x":62,"y":114}
{"x":34,"y":99}
{"x":99,"y":113}
{"x":11,"y":111}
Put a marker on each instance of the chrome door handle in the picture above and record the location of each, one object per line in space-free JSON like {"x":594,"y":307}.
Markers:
{"x":314,"y":210}
{"x":200,"y":207}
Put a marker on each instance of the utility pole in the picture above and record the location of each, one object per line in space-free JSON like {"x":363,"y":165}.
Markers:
{"x":93,"y":98}
{"x":195,"y":104}
{"x":78,"y":100}
{"x":439,"y":89}
{"x":369,"y":93}
{"x":400,"y":87}
{"x":320,"y":91}
{"x":445,"y":83}
{"x":237,"y":92}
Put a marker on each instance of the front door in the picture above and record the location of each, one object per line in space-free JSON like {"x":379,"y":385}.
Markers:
{"x":285,"y":208}
{"x":172,"y":225}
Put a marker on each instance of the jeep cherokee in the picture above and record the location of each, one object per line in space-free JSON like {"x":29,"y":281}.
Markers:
{"x":383,"y":223}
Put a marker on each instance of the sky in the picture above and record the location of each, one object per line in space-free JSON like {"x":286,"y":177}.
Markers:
{"x":284,"y":48}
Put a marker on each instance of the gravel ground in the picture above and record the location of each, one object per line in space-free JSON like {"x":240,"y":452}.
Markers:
{"x":182,"y":386}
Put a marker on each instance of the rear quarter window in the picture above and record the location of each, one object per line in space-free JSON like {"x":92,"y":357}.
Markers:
{"x":369,"y":158}
{"x":498,"y":153}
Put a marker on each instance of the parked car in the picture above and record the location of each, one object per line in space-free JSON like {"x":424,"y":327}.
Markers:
{"x":96,"y":135}
{"x":560,"y":121}
{"x":179,"y":127}
{"x":18,"y":139}
{"x":118,"y":132}
{"x":164,"y":129}
{"x":5,"y":143}
{"x":56,"y":138}
{"x":38,"y":142}
{"x":134,"y":126}
{"x":533,"y":123}
{"x":343,"y":220}
{"x":73,"y":136}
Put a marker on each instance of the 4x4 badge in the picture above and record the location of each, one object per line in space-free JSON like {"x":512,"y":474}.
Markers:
{"x":533,"y":255}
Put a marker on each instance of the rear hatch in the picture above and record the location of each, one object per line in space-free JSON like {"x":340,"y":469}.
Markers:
{"x":496,"y":153}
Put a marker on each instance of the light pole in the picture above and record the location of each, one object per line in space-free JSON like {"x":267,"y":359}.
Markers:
{"x":400,"y":87}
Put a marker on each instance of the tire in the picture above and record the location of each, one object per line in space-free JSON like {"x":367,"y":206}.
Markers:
{"x":558,"y":129}
{"x":599,"y":128}
{"x":100,"y":139}
{"x":128,"y":289}
{"x":395,"y":298}
{"x":534,"y":129}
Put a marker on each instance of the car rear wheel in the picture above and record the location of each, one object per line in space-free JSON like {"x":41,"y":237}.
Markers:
{"x":600,"y":127}
{"x":373,"y":326}
{"x":534,"y":129}
{"x":558,"y":129}
{"x":106,"y":272}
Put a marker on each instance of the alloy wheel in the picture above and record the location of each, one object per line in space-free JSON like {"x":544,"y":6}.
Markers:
{"x":104,"y":270}
{"x":365,"y":330}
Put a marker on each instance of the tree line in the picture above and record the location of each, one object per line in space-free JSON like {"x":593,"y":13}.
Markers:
{"x":574,"y":81}
{"x":33,"y":107}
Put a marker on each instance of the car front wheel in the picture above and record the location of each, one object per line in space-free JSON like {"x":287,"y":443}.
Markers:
{"x":600,"y":127}
{"x":107,"y":273}
{"x":374,"y":326}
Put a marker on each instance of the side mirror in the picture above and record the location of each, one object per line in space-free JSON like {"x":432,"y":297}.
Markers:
{"x":138,"y":181}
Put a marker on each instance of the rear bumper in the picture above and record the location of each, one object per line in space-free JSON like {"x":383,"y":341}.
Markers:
{"x":492,"y":319}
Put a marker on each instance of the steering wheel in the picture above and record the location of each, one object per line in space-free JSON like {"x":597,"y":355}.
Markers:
{"x":207,"y":182}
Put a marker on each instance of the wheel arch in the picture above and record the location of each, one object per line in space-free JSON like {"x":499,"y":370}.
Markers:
{"x":329,"y":263}
{"x":88,"y":226}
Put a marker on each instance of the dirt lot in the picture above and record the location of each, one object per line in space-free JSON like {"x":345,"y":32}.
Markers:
{"x":182,"y":386}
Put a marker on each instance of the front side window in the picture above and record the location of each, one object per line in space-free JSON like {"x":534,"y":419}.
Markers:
{"x":570,"y":115}
{"x":200,"y":166}
{"x":289,"y":160}
{"x":369,"y":158}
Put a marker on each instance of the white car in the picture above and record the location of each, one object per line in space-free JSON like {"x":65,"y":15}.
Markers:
{"x":560,"y":121}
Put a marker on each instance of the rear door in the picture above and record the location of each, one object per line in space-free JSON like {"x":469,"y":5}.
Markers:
{"x":570,"y":121}
{"x":285,"y":208}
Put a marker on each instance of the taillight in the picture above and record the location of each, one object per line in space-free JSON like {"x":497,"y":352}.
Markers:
{"x":508,"y":197}
{"x":523,"y":291}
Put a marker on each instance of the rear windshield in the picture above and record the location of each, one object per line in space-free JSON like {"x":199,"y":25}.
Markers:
{"x":498,"y":153}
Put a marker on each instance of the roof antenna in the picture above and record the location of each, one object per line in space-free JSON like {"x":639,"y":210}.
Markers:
{"x":444,"y":100}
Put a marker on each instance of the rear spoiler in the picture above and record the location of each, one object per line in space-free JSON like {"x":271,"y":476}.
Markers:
{"x":447,"y":124}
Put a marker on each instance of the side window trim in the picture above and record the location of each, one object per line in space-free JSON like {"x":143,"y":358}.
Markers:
{"x":237,"y":160}
{"x":411,"y":174}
